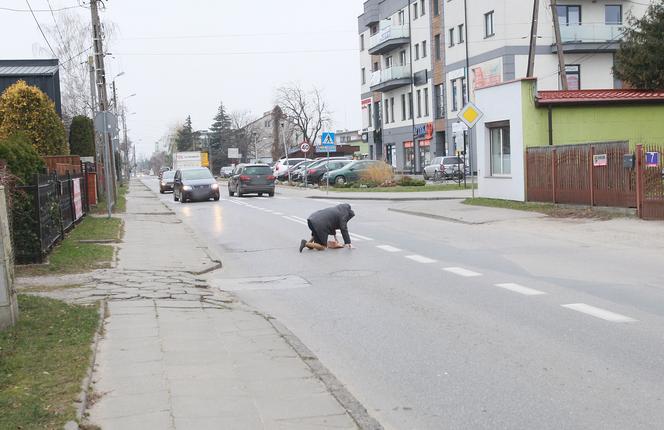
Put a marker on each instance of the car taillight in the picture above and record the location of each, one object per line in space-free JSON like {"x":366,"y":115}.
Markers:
{"x":271,"y":178}
{"x":245,"y":178}
{"x":311,"y":171}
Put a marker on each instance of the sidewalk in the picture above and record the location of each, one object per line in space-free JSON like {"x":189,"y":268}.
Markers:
{"x":176,"y":354}
{"x":456,"y":211}
{"x":320,"y":193}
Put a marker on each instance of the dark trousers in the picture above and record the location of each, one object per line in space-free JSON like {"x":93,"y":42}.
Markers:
{"x":316,"y":237}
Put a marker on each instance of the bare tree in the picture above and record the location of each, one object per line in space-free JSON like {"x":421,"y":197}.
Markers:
{"x":306,"y":110}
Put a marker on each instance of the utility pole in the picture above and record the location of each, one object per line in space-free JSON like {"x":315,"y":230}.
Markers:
{"x":559,"y":46}
{"x":467,"y":151}
{"x":114,"y":147}
{"x":125,"y":146}
{"x":412,"y":87}
{"x":100,"y":80}
{"x":93,"y":111}
{"x":533,"y":41}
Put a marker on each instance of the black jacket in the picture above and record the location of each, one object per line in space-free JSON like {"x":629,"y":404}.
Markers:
{"x":326,"y":222}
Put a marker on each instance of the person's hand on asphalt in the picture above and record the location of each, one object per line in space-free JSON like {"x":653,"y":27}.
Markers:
{"x":349,"y":246}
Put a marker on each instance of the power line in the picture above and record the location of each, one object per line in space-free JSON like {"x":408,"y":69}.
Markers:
{"x":9,"y":9}
{"x":156,"y":54}
{"x":57,"y":27}
{"x":40,"y":29}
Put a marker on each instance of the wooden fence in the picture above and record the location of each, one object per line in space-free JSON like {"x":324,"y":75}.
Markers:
{"x":650,"y":171}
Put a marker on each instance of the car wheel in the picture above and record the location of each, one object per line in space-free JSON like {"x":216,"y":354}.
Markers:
{"x":260,"y":194}
{"x":231,"y":192}
{"x":237,"y":191}
{"x":271,"y":194}
{"x":216,"y":198}
{"x":161,"y":191}
{"x":340,"y":180}
{"x":425,"y":176}
{"x":437,"y":176}
{"x":175,"y":197}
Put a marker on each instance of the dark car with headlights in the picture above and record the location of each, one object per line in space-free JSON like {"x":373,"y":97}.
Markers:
{"x":195,"y":184}
{"x":250,"y":179}
{"x":167,"y":181}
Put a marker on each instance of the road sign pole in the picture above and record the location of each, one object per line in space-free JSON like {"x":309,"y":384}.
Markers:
{"x":327,"y":167}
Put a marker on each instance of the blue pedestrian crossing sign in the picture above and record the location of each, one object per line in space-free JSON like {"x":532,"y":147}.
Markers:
{"x":327,"y":139}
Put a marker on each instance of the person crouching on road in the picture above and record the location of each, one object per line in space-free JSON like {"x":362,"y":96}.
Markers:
{"x":326,"y":222}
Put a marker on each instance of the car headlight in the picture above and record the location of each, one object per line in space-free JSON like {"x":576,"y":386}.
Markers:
{"x":215,"y":186}
{"x":163,"y":183}
{"x":186,"y":188}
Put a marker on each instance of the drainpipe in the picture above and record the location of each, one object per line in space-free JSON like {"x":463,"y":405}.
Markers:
{"x":550,"y":109}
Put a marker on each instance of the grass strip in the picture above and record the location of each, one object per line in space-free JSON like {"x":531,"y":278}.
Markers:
{"x":43,"y":360}
{"x":401,"y":189}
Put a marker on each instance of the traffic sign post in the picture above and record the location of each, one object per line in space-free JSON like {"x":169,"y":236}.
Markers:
{"x":327,"y":139}
{"x":470,"y":115}
{"x":305,"y":147}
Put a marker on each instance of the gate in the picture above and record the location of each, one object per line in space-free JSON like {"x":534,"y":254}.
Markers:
{"x":570,"y":174}
{"x":651,"y":181}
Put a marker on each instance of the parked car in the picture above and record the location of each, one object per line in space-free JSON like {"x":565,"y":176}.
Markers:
{"x":297,"y":174}
{"x":226,"y":171}
{"x":351,"y":172}
{"x":316,"y":171}
{"x":166,"y":182}
{"x":282,"y":166}
{"x":162,"y":170}
{"x":196,"y":183}
{"x":251,"y":178}
{"x":448,"y":167}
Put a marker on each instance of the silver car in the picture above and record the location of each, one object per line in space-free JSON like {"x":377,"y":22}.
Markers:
{"x":449,"y":167}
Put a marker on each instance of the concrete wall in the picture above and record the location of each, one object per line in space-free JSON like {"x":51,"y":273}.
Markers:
{"x":501,"y":103}
{"x":8,"y":303}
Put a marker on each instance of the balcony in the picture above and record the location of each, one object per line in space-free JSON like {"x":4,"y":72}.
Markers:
{"x":391,"y":78}
{"x":586,"y":38}
{"x":389,"y":38}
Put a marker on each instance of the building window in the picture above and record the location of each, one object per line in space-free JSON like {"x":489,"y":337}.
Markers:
{"x":417,"y":51}
{"x":377,"y":115}
{"x":440,"y":101}
{"x":451,"y":37}
{"x":387,"y":111}
{"x":424,"y":49}
{"x":388,"y":62}
{"x":373,"y":29}
{"x":410,"y":105}
{"x":613,"y":14}
{"x":426,"y":102}
{"x":403,"y":107}
{"x":392,"y":108}
{"x":401,"y":17}
{"x":364,"y":76}
{"x":370,"y":116}
{"x":436,"y":8}
{"x":436,"y":46}
{"x":375,"y":66}
{"x":573,"y":73}
{"x":455,"y":101}
{"x":423,"y":9}
{"x":488,"y":24}
{"x":569,"y":15}
{"x":419,"y":103}
{"x":402,"y":58}
{"x":361,"y":42}
{"x":414,"y":11}
{"x":499,"y":142}
{"x":461,"y":33}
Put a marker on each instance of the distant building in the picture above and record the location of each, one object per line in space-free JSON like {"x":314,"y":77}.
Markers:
{"x":263,"y":132}
{"x":43,"y":74}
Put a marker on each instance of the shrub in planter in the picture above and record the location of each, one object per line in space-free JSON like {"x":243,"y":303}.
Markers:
{"x":377,"y":174}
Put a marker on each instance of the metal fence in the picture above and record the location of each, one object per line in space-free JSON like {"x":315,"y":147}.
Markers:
{"x":51,"y":208}
{"x":589,"y":174}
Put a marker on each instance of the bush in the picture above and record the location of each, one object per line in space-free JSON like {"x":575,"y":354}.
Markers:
{"x":407,"y":181}
{"x":377,"y":175}
{"x":82,"y":136}
{"x":21,"y":157}
{"x":24,"y":108}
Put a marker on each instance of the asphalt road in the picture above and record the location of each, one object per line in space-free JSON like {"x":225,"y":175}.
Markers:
{"x":439,"y":325}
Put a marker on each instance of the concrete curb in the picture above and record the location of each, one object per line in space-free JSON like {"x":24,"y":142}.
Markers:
{"x":438,"y":217}
{"x":82,"y":404}
{"x":353,"y":407}
{"x":387,"y":199}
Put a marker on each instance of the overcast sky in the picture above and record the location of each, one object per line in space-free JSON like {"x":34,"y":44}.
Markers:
{"x":184,"y":57}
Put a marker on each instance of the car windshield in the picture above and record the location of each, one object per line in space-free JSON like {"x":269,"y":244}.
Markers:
{"x":453,"y":160}
{"x":168,"y":175}
{"x":196,"y":174}
{"x":257,"y":170}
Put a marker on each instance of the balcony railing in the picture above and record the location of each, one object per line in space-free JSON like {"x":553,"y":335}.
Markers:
{"x":591,"y":33}
{"x":390,"y":78}
{"x":388,"y":38}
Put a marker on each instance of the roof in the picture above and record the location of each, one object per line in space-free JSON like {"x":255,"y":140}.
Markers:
{"x":599,"y":97}
{"x":28,"y":67}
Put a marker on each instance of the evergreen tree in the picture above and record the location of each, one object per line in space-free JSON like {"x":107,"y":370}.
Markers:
{"x":640,"y":59}
{"x":220,"y":139}
{"x":82,"y":136}
{"x":185,"y":137}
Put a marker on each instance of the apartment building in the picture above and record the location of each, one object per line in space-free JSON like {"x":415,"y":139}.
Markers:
{"x":401,"y":111}
{"x":266,"y":132}
{"x":498,"y":37}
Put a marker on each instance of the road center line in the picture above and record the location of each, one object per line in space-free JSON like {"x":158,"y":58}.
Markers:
{"x":520,"y":289}
{"x":388,"y":248}
{"x":462,"y":272}
{"x":598,"y":312}
{"x":297,"y":217}
{"x":277,"y":213}
{"x":294,"y":220}
{"x":420,"y":259}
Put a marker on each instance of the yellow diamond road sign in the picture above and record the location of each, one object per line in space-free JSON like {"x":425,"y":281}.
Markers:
{"x":470,"y":114}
